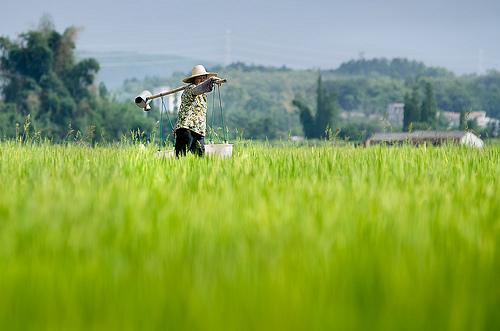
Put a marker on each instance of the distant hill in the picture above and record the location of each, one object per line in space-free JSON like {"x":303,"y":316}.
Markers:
{"x":116,"y":67}
{"x":395,"y":68}
{"x":258,"y":99}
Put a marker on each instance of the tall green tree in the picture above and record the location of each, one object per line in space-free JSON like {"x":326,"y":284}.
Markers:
{"x":327,"y":110}
{"x":462,"y":123}
{"x":411,"y":114}
{"x":416,"y":113}
{"x":307,"y":119}
{"x":316,"y":126}
{"x":407,"y":112}
{"x":429,"y":105}
{"x":419,"y":114}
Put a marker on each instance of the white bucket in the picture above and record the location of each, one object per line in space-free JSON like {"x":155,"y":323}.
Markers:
{"x":168,"y":153}
{"x":222,"y":150}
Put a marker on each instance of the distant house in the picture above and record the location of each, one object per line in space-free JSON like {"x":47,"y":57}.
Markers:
{"x":395,"y":113}
{"x":453,"y":118}
{"x":426,"y":137}
{"x":483,"y":121}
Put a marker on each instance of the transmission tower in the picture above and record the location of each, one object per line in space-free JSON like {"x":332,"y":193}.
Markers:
{"x":227,"y":53}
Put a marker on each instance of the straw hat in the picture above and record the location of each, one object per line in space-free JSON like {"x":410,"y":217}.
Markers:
{"x":198,"y":70}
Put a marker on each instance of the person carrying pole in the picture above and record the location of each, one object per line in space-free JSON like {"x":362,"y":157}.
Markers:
{"x":191,"y":125}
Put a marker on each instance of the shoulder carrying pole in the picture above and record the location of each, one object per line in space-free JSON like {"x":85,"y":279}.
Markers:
{"x":162,"y":94}
{"x":143,"y":99}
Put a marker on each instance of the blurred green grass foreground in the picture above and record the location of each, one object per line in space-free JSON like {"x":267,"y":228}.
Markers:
{"x":274,"y":238}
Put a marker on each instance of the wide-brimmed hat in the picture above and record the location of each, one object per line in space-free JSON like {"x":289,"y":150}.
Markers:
{"x":198,"y":70}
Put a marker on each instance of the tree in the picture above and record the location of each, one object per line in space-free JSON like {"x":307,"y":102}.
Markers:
{"x":407,"y":112}
{"x":421,"y":115}
{"x":411,"y":114}
{"x":42,"y":78}
{"x":307,"y":119}
{"x":316,"y":126}
{"x":415,"y":105}
{"x":429,"y":107}
{"x":327,"y":111}
{"x":462,"y":125}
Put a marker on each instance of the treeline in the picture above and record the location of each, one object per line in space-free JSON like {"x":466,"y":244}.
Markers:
{"x":259,"y":100}
{"x":40,"y":77}
{"x":257,"y":103}
{"x":396,"y":68}
{"x":363,"y":82}
{"x":43,"y":84}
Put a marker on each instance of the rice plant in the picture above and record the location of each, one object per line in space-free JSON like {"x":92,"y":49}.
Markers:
{"x":274,"y":238}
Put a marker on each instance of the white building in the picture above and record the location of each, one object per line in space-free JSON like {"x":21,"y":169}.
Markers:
{"x":453,"y":118}
{"x":480,"y":117}
{"x":395,"y":113}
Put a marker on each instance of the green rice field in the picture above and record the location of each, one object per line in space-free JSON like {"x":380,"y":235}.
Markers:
{"x":274,"y":238}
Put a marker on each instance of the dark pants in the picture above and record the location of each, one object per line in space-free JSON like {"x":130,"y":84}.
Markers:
{"x":188,"y":140}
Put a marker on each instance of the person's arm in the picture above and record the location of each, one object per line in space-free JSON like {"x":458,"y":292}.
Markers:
{"x":206,"y":86}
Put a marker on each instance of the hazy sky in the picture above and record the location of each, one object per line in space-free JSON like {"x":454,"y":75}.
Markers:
{"x":461,"y":35}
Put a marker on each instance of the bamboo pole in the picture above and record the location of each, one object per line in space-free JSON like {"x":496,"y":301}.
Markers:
{"x":162,"y":94}
{"x":143,"y":99}
{"x":182,"y":88}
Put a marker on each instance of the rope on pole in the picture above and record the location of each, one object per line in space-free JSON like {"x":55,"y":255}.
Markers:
{"x":212,"y":124}
{"x":211,"y":131}
{"x":161,"y":125}
{"x":222,"y":117}
{"x":164,"y":110}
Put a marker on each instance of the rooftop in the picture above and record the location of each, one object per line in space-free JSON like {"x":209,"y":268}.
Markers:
{"x":417,"y":135}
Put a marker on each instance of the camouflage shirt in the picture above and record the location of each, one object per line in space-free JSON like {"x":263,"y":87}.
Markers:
{"x":193,"y":110}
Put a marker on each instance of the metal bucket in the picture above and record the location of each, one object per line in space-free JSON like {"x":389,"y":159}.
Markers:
{"x":222,"y":150}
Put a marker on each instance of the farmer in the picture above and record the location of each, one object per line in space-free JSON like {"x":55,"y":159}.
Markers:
{"x":191,"y":123}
